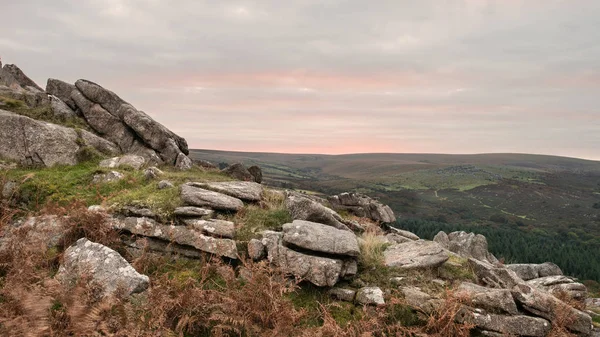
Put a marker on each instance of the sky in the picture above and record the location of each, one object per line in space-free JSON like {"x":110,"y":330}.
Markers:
{"x":307,"y":76}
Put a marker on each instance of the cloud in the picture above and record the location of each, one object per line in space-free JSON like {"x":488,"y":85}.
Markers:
{"x":338,"y":76}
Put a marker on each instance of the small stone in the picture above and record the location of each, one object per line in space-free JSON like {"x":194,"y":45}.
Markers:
{"x":107,"y":177}
{"x":164,"y":184}
{"x":191,"y":211}
{"x":130,"y":160}
{"x":346,"y":295}
{"x":370,"y":296}
{"x":396,"y":280}
{"x":152,"y":173}
{"x":256,"y":250}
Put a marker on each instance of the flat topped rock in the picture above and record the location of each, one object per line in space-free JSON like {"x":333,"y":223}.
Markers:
{"x":320,"y":238}
{"x":212,"y":227}
{"x":105,"y":266}
{"x":192,"y":211}
{"x":302,"y":208}
{"x":493,"y":300}
{"x":245,"y":190}
{"x":415,"y":254}
{"x":127,"y":160}
{"x":196,"y":196}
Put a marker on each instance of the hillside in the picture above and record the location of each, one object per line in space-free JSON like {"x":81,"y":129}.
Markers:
{"x":552,"y":198}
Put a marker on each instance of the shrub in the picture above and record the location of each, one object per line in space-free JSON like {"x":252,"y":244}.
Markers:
{"x":443,"y":321}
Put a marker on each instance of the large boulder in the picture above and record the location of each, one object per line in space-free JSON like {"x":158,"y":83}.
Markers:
{"x":61,"y":90}
{"x":256,"y":172}
{"x":302,"y":208}
{"x":196,"y":196}
{"x":244,"y":190}
{"x":504,"y":325}
{"x":466,"y":245}
{"x":61,"y":110}
{"x":415,"y":255}
{"x":493,"y":300}
{"x":492,"y":276}
{"x":320,"y":271}
{"x":543,"y":304}
{"x":239,"y":172}
{"x":106,"y":268}
{"x":181,"y":235}
{"x":320,"y":238}
{"x":134,"y":130}
{"x":363,"y":206}
{"x":529,"y":271}
{"x":37,"y":143}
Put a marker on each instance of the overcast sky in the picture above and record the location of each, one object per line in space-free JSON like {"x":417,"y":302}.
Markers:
{"x":308,"y":76}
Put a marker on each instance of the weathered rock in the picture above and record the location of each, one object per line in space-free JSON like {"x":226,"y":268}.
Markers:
{"x":191,"y":211}
{"x":61,"y":90}
{"x":238,"y":171}
{"x":244,"y":190}
{"x":548,"y":269}
{"x":45,"y":230}
{"x":415,"y":254}
{"x":363,"y":206}
{"x":543,"y":304}
{"x":108,"y":177}
{"x":302,"y":208}
{"x":256,"y":172}
{"x":518,"y":325}
{"x":256,"y":250}
{"x":178,"y":234}
{"x":97,"y":209}
{"x":467,"y":245}
{"x":494,"y":277}
{"x":346,"y":295}
{"x":152,"y":172}
{"x":9,"y":189}
{"x":493,"y":300}
{"x":60,"y":109}
{"x":419,"y":300}
{"x":320,"y":271}
{"x":107,"y":268}
{"x":137,"y":245}
{"x":559,"y":284}
{"x":370,"y":296}
{"x":164,"y":184}
{"x":395,"y":238}
{"x":205,"y":164}
{"x":320,"y":238}
{"x":20,"y":77}
{"x":137,"y":211}
{"x":526,"y":271}
{"x":529,"y":271}
{"x":403,"y":233}
{"x":130,"y":160}
{"x":196,"y":196}
{"x":32,"y":142}
{"x":183,"y":162}
{"x":212,"y":227}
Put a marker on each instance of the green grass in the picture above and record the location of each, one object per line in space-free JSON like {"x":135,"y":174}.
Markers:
{"x":253,"y":219}
{"x":62,"y":185}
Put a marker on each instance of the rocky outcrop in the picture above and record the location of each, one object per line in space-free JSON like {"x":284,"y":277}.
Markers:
{"x":559,"y":285}
{"x":467,"y":245}
{"x":363,"y":206}
{"x":492,"y":276}
{"x":36,"y":143}
{"x":244,"y":190}
{"x":319,"y":270}
{"x":303,"y":208}
{"x":105,"y":267}
{"x":543,"y":304}
{"x":415,"y":255}
{"x":492,"y":300}
{"x":195,"y":196}
{"x":213,"y":227}
{"x":256,"y":250}
{"x":191,"y":211}
{"x":46,"y":230}
{"x":182,"y":235}
{"x":62,"y":91}
{"x":20,"y":77}
{"x":256,"y":172}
